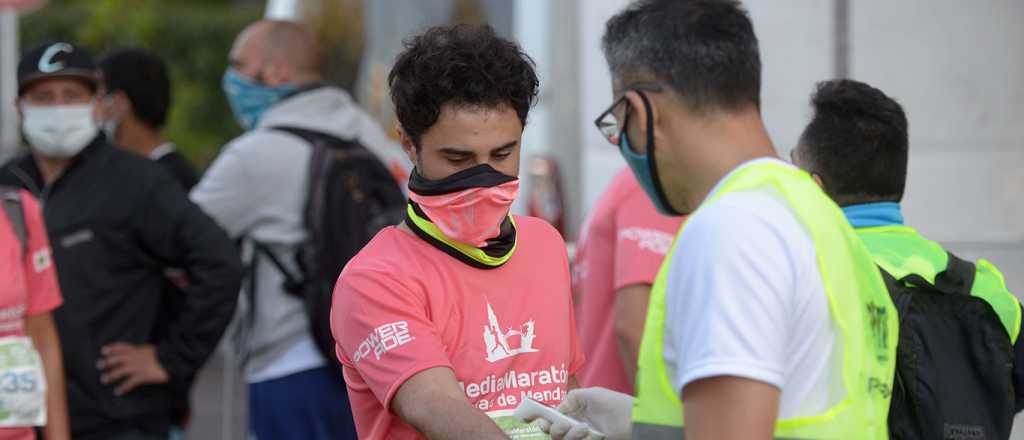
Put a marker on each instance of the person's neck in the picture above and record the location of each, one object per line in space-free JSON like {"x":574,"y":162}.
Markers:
{"x":139,"y":139}
{"x":50,"y":168}
{"x":727,"y":141}
{"x":405,"y":228}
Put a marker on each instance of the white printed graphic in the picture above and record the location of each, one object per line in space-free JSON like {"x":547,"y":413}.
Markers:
{"x":499,"y":343}
{"x":648,"y":239}
{"x":41,"y":260}
{"x":22,"y":384}
{"x":383,"y":339}
{"x":46,"y":63}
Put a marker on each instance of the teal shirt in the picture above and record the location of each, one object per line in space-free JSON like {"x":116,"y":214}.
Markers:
{"x":868,"y":215}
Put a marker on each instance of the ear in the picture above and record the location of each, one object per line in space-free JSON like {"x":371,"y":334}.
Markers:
{"x":637,"y":127}
{"x":120,"y":104}
{"x":407,"y":144}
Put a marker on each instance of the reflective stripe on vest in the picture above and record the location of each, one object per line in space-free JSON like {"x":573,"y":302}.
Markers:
{"x":859,"y":304}
{"x":642,"y":431}
{"x":901,"y":251}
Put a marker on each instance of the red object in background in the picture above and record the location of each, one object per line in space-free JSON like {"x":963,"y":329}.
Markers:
{"x":22,"y":6}
{"x":546,"y":197}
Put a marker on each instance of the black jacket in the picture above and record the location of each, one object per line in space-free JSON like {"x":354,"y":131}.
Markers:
{"x":173,"y":302}
{"x":179,"y":167}
{"x":116,"y":221}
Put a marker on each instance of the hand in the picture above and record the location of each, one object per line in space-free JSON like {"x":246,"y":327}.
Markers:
{"x":601,"y":409}
{"x":131,"y":365}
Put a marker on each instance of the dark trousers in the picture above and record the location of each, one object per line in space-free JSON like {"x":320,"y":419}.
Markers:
{"x":310,"y":405}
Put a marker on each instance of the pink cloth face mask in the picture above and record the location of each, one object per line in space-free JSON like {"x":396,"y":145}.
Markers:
{"x":471,"y":216}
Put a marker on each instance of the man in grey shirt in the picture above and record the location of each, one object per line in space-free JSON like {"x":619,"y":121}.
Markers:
{"x":257,"y":189}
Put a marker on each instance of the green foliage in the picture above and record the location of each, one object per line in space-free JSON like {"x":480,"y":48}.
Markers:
{"x":194,"y":38}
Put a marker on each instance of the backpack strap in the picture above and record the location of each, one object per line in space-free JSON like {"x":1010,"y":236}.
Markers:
{"x":314,"y":137}
{"x":958,"y":276}
{"x":900,"y":297}
{"x":956,"y":279}
{"x":292,"y":284}
{"x":16,"y":215}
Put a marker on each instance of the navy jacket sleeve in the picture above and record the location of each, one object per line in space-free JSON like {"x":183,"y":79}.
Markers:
{"x":178,"y":232}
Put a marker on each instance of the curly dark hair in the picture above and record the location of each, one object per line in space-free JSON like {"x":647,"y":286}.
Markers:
{"x":464,"y":65}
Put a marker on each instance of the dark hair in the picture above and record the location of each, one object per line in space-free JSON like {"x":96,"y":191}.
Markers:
{"x":464,"y":65}
{"x":142,"y":76}
{"x":856,"y":143}
{"x":704,"y":50}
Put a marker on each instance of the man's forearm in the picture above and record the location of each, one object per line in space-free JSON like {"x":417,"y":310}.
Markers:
{"x":214,"y":272}
{"x":432,"y":402}
{"x":629,"y":316}
{"x":629,"y":352}
{"x":192,"y":339}
{"x":449,"y":418}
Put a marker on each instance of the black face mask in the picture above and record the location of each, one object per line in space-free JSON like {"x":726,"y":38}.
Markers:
{"x":644,"y":166}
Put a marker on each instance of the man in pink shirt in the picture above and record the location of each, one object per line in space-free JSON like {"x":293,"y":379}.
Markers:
{"x":32,"y":391}
{"x":448,"y":321}
{"x":621,"y":247}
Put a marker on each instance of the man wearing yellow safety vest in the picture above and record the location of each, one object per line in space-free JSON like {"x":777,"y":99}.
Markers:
{"x":769,"y":319}
{"x":856,"y":146}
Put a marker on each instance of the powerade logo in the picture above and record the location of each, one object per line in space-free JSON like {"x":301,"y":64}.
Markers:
{"x":651,"y":240}
{"x":382,"y":340}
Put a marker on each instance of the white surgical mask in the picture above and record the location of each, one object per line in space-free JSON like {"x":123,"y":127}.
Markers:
{"x":59,"y":131}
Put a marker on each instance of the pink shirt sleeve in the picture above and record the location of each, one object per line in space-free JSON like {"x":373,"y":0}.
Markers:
{"x":383,"y":331}
{"x":40,"y":274}
{"x":643,"y":239}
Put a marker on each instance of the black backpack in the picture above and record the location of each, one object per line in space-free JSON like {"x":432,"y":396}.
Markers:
{"x":352,"y":196}
{"x":954,"y":360}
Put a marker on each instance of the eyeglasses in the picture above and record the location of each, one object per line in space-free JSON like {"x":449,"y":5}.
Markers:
{"x":608,"y":124}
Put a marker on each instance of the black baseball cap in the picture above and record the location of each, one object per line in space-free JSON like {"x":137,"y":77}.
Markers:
{"x":56,"y":60}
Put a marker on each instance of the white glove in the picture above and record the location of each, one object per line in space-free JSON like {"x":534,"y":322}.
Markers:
{"x":599,"y":408}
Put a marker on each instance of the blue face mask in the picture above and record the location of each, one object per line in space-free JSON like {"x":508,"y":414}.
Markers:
{"x":249,"y":99}
{"x":646,"y":174}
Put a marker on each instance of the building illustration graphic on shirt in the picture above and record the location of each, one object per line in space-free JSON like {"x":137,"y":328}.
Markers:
{"x":500,"y":343}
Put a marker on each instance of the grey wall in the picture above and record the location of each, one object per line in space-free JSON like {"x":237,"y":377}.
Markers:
{"x":956,"y":67}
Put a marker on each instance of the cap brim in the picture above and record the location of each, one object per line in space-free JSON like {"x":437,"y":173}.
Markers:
{"x":87,"y":75}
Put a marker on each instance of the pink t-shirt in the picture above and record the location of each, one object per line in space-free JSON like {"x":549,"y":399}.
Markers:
{"x":29,"y":285}
{"x":403,"y":306}
{"x":622,"y":243}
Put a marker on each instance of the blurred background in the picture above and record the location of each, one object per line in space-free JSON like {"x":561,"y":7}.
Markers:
{"x":957,"y":67}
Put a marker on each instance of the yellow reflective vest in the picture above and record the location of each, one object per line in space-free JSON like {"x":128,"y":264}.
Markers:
{"x":858,"y":303}
{"x":901,"y":251}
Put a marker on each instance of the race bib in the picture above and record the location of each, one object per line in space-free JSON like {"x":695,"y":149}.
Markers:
{"x":517,"y":429}
{"x":22,"y":384}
